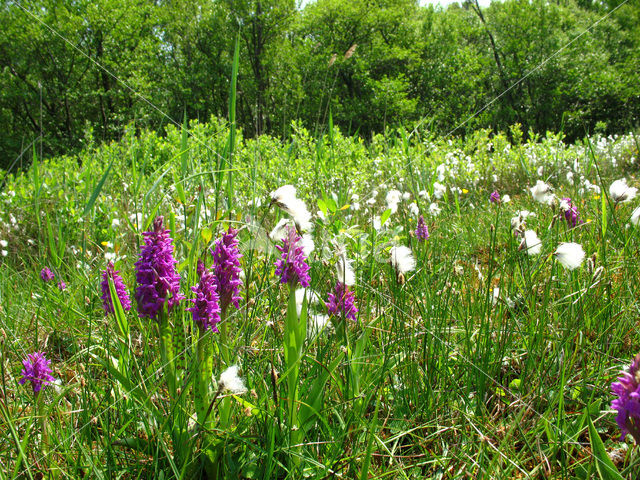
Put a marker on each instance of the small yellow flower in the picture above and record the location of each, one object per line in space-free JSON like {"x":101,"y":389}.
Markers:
{"x":464,"y":190}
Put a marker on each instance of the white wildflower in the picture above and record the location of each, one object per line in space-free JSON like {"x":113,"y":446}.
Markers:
{"x":392,"y":199}
{"x":413,"y":208}
{"x":439,"y":190}
{"x":424,"y":194}
{"x":505,"y":198}
{"x":231,"y":381}
{"x":621,"y":192}
{"x":434,"y":209}
{"x":541,"y":192}
{"x":115,"y":223}
{"x":355,"y":206}
{"x":570,"y":255}
{"x":4,"y":243}
{"x":4,"y":253}
{"x":531,"y":242}
{"x":402,"y":259}
{"x":406,"y":196}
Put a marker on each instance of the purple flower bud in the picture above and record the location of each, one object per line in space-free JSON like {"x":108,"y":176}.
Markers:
{"x":206,"y":310}
{"x":342,"y":302}
{"x":36,"y":370}
{"x":46,"y":274}
{"x":571,"y":214}
{"x":292,"y":264}
{"x":627,"y":388}
{"x":422,"y":232}
{"x":494,"y":197}
{"x":121,"y":290}
{"x":62,"y":286}
{"x":156,"y":276}
{"x":226,"y":267}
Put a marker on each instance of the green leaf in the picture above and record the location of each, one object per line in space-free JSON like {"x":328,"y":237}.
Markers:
{"x":385,"y":216}
{"x":606,"y":469}
{"x":98,"y":189}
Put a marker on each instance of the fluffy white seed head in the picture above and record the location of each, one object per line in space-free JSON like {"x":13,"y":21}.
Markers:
{"x":312,"y":298}
{"x":392,"y":199}
{"x":541,"y":192}
{"x":230,"y":381}
{"x":570,"y":255}
{"x":283,"y":195}
{"x":531,"y":242}
{"x":344,"y":271}
{"x":402,"y":259}
{"x":280,"y":230}
{"x":621,"y":192}
{"x":318,"y":323}
{"x":307,"y":244}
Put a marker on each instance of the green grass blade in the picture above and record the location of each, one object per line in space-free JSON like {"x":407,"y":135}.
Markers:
{"x":606,"y":469}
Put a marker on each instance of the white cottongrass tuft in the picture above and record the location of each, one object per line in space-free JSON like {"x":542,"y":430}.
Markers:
{"x":434,"y":209}
{"x":4,"y":243}
{"x":392,"y":199}
{"x":307,"y":244}
{"x":312,"y":298}
{"x":570,"y":255}
{"x":230,"y":381}
{"x":284,"y":195}
{"x":531,"y":242}
{"x":505,"y":198}
{"x":285,"y":198}
{"x":621,"y":192}
{"x":635,"y":216}
{"x":518,"y":221}
{"x":402,"y":259}
{"x":439,"y":190}
{"x":541,"y":192}
{"x":413,"y":208}
{"x":344,"y":271}
{"x":280,"y":230}
{"x":318,"y":323}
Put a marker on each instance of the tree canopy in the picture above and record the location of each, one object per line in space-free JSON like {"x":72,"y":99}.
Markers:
{"x":73,"y":68}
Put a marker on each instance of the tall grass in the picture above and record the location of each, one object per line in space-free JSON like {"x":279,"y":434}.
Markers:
{"x":439,"y":378}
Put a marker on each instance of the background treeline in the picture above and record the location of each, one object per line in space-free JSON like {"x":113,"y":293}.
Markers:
{"x":368,"y":65}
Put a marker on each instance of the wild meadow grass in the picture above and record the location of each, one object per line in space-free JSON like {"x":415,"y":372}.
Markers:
{"x":484,"y":360}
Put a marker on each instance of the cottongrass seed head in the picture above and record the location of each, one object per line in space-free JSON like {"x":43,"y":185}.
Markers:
{"x":402,"y":259}
{"x":542,"y":193}
{"x":230,"y":381}
{"x":531,"y":243}
{"x":570,"y":255}
{"x":620,"y":192}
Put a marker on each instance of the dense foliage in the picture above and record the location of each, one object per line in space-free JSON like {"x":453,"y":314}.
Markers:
{"x":69,"y":69}
{"x":486,"y":350}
